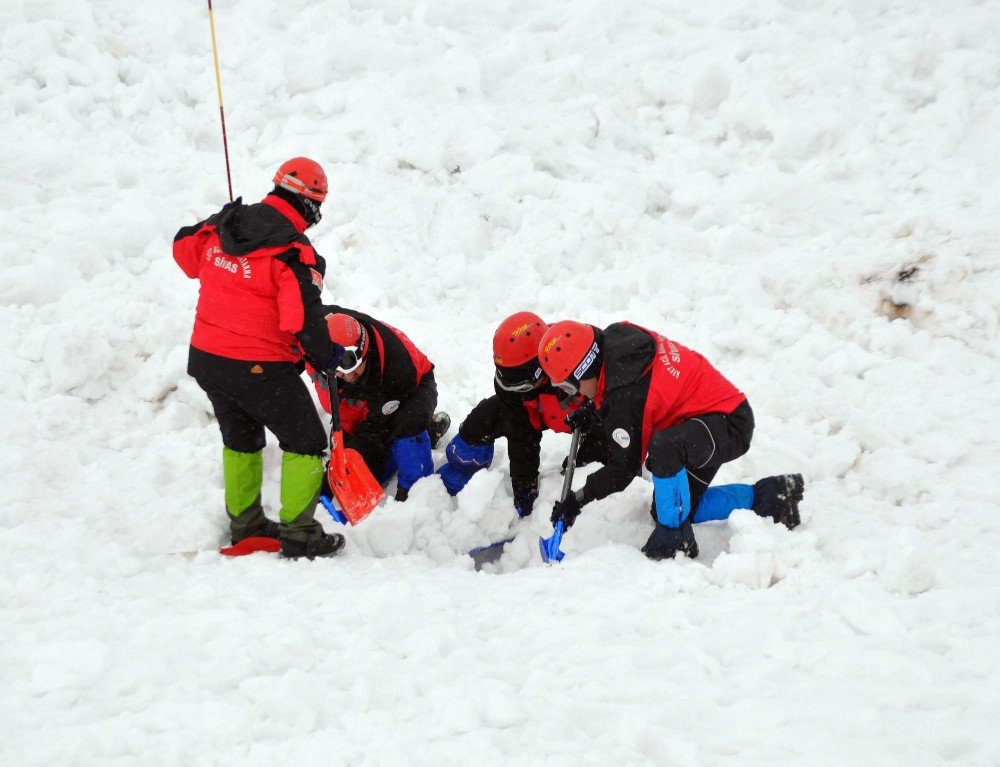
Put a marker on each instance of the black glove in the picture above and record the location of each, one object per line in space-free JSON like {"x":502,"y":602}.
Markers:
{"x":584,"y":418}
{"x":567,"y":510}
{"x":336,"y":355}
{"x":525,"y":493}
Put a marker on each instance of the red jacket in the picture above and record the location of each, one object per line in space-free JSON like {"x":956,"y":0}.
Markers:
{"x":647,"y":384}
{"x":683,"y":384}
{"x":547,"y":412}
{"x":261,"y":280}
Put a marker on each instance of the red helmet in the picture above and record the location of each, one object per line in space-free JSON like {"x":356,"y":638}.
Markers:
{"x":302,"y":176}
{"x":515,"y":352}
{"x":516,"y":340}
{"x":348,"y":332}
{"x":568,"y":351}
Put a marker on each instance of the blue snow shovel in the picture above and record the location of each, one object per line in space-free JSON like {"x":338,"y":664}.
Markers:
{"x":488,"y":554}
{"x":550,"y":546}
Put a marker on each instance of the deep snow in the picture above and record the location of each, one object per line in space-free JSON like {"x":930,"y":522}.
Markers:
{"x":768,"y":182}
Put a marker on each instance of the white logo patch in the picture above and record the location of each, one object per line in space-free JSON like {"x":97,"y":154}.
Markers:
{"x":390,"y":407}
{"x":621,"y":436}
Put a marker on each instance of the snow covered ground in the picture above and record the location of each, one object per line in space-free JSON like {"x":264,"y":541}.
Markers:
{"x":769,"y":182}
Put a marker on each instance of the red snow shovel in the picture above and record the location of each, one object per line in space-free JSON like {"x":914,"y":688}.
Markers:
{"x":251,"y":546}
{"x":357,"y":492}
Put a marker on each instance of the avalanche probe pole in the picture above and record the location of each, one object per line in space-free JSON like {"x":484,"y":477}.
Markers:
{"x":218,"y":86}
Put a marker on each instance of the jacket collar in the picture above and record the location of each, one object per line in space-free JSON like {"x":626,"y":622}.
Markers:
{"x":287,"y":211}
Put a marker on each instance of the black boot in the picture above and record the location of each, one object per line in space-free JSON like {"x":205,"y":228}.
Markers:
{"x":778,"y":498}
{"x":440,"y":423}
{"x":664,"y":542}
{"x":320,"y":545}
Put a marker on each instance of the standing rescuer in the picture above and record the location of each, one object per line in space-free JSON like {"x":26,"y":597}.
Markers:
{"x":259,"y":308}
{"x":658,"y":401}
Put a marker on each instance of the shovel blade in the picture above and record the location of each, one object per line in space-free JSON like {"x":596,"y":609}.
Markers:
{"x":488,"y":554}
{"x":549,"y":547}
{"x":356,"y":490}
{"x":251,"y":546}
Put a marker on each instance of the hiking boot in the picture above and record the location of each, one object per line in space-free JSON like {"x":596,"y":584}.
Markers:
{"x":320,"y":545}
{"x":267,"y":528}
{"x":778,"y":498}
{"x":665,"y":542}
{"x":440,"y":423}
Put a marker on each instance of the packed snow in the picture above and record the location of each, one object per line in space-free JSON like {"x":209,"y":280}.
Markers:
{"x":805,"y":192}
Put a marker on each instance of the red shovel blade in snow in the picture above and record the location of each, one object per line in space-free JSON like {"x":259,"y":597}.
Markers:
{"x":357,"y":492}
{"x":251,"y":546}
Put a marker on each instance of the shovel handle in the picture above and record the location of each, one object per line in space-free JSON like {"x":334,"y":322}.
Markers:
{"x":332,"y":510}
{"x":337,"y":457}
{"x":331,"y":386}
{"x":550,"y":546}
{"x":574,"y":447}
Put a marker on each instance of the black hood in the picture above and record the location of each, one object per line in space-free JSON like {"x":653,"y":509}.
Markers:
{"x":245,"y":228}
{"x":628,"y":353}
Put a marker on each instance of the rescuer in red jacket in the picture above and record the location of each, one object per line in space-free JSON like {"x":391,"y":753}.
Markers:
{"x":660,"y":402}
{"x":258,"y":310}
{"x":524,"y":404}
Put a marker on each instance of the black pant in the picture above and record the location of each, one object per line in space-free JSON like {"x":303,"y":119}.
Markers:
{"x":248,"y":397}
{"x":417,"y":410}
{"x":701,"y":445}
{"x":374,"y":437}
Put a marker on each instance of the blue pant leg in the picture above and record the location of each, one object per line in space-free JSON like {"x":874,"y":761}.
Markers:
{"x":718,"y":502}
{"x":464,"y":460}
{"x":672,"y":498}
{"x":413,"y":459}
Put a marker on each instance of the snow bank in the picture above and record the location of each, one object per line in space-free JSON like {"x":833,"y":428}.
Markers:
{"x":802,"y":192}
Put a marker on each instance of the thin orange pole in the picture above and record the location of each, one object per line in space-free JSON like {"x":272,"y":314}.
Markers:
{"x":218,"y":85}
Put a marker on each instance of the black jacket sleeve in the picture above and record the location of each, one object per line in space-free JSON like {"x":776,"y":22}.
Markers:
{"x":415,"y":411}
{"x":371,"y":439}
{"x":523,"y":439}
{"x":482,"y":425}
{"x":314,"y":336}
{"x":621,"y":414}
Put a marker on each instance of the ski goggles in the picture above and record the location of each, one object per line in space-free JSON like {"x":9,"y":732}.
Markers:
{"x":572,"y":383}
{"x":521,"y":379}
{"x":351,"y":360}
{"x":571,"y":386}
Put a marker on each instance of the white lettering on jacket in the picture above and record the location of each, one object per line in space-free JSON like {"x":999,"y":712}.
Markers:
{"x":220,"y":260}
{"x":669,"y":355}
